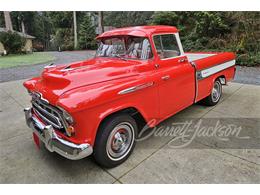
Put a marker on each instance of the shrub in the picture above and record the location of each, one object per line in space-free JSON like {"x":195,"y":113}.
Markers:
{"x":13,"y":42}
{"x":249,"y":59}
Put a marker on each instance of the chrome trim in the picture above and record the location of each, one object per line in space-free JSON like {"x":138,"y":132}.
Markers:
{"x":135,"y":88}
{"x":44,"y":118}
{"x":196,"y":80}
{"x":62,"y":123}
{"x":38,"y":95}
{"x":223,"y":81}
{"x":51,"y":65}
{"x":68,"y":69}
{"x":53,"y":142}
{"x":59,"y":125}
{"x":207,"y":72}
{"x":166,"y":77}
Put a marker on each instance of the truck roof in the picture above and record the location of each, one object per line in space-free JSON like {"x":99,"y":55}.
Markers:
{"x":139,"y":31}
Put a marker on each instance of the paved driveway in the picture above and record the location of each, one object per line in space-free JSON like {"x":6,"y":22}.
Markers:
{"x":153,"y":161}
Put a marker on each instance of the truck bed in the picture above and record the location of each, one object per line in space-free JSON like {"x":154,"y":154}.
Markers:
{"x":222,"y":60}
{"x":210,"y":66}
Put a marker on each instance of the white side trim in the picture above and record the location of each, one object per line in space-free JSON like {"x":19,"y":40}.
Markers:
{"x":179,"y":43}
{"x":178,"y":40}
{"x":196,"y":56}
{"x":218,"y":68}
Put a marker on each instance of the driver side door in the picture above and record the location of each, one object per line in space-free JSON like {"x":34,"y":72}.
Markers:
{"x":176,"y":76}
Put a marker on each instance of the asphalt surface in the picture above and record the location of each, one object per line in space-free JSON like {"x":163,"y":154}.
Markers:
{"x":246,"y":75}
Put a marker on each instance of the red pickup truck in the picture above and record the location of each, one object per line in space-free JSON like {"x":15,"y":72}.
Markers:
{"x":138,"y":74}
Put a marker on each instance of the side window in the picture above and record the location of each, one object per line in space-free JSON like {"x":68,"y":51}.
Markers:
{"x":166,"y":46}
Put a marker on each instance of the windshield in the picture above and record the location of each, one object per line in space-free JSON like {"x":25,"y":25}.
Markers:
{"x":125,"y":47}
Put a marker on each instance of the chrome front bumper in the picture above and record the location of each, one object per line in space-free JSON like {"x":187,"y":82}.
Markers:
{"x":54,"y":143}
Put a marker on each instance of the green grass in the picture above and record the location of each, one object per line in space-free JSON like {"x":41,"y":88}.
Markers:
{"x":25,"y":59}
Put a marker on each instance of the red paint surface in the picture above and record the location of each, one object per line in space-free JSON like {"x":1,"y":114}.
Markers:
{"x":36,"y":140}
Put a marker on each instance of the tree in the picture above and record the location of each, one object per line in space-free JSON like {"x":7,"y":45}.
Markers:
{"x":75,"y":30}
{"x":8,"y":21}
{"x":87,"y":33}
{"x":2,"y":21}
{"x":100,"y":22}
{"x":126,"y":18}
{"x":62,"y":23}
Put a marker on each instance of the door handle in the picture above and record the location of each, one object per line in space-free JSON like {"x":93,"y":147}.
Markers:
{"x":166,"y":77}
{"x":182,"y":60}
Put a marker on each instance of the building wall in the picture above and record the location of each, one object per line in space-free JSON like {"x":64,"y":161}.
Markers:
{"x":28,"y":47}
{"x":1,"y":48}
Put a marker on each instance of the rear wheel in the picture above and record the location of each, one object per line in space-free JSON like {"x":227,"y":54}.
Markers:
{"x":115,"y":140}
{"x":215,"y":94}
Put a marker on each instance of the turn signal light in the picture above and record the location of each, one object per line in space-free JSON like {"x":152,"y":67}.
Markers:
{"x":70,"y":130}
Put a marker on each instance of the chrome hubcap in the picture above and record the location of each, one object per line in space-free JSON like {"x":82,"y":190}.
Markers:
{"x":120,"y":141}
{"x":216,"y":92}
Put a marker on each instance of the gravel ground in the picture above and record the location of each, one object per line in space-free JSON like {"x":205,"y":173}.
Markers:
{"x":246,"y":75}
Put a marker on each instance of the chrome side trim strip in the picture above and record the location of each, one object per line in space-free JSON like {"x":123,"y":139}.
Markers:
{"x":212,"y":70}
{"x":135,"y":88}
{"x":196,"y":80}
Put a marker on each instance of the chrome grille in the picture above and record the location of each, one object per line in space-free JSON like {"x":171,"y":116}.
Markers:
{"x":49,"y":114}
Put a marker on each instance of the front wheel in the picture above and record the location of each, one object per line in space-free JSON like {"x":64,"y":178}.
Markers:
{"x":215,"y":94}
{"x":115,"y":140}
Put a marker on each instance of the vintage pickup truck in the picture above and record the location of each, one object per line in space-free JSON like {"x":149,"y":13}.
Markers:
{"x":138,"y":74}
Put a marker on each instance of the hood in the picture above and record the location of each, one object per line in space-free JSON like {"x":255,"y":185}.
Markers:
{"x":56,"y":80}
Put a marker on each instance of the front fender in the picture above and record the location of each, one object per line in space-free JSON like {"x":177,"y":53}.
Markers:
{"x":89,"y":105}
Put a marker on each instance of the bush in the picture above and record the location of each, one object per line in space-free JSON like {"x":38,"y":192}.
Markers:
{"x":249,"y":59}
{"x":13,"y":43}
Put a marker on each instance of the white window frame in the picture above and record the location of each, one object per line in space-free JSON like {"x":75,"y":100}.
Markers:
{"x":177,"y":37}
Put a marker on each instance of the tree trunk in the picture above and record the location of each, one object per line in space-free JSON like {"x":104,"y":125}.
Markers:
{"x":23,"y":27}
{"x":8,"y":21}
{"x":100,"y":22}
{"x":75,"y":30}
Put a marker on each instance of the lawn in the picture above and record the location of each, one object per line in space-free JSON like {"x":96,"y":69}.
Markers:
{"x":25,"y":59}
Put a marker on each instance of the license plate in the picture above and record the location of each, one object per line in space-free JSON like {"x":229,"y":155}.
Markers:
{"x":36,"y":140}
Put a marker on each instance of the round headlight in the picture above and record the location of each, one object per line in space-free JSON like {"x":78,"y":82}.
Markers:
{"x":67,"y":116}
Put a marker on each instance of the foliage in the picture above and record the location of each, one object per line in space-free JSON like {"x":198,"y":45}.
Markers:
{"x":12,"y":42}
{"x":64,"y":39}
{"x":62,"y":23}
{"x":127,"y":18}
{"x":200,"y":31}
{"x":87,"y":34}
{"x":2,"y":21}
{"x":217,"y":31}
